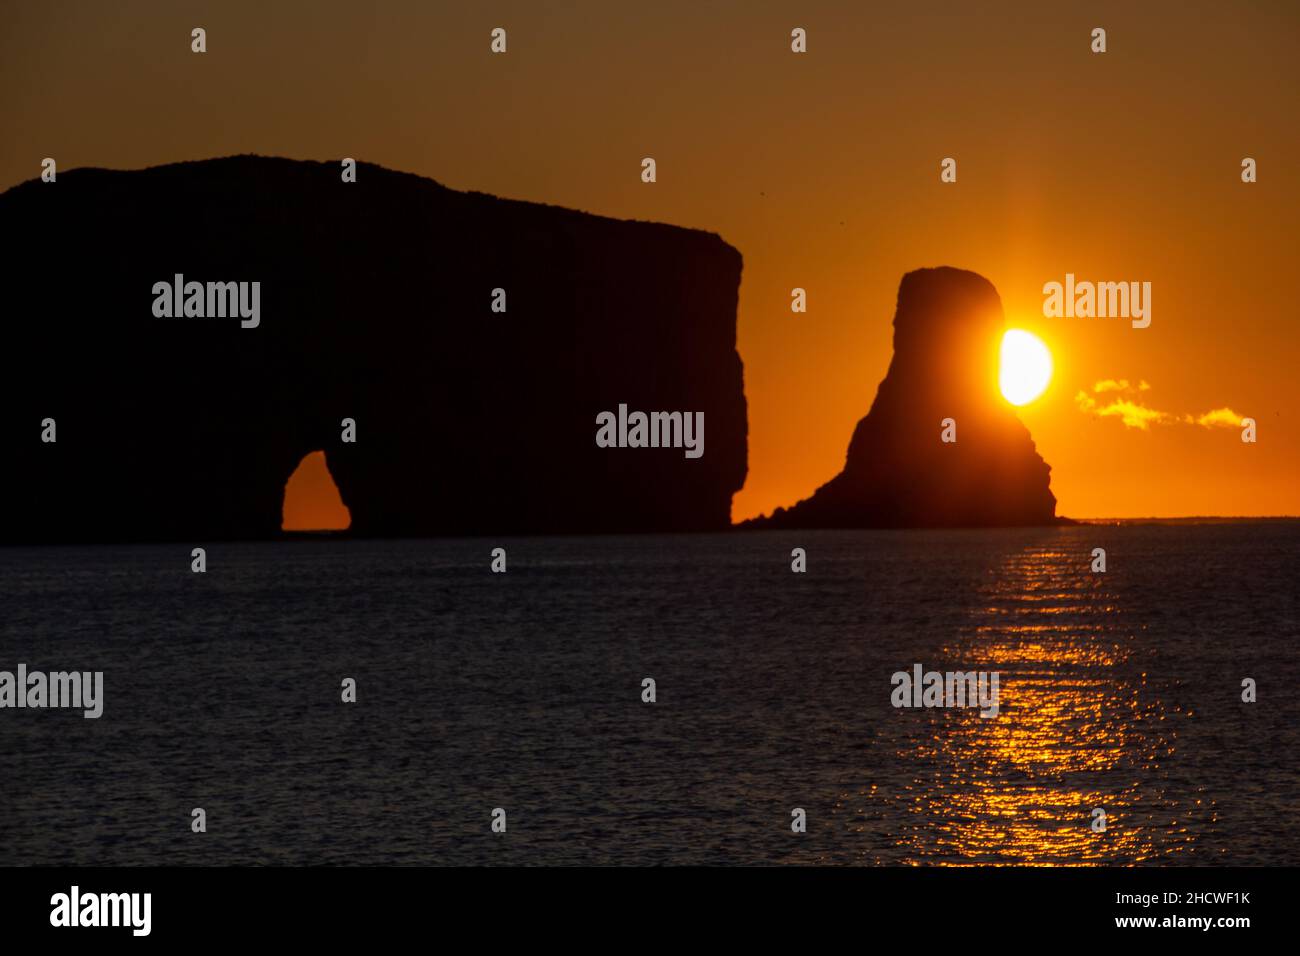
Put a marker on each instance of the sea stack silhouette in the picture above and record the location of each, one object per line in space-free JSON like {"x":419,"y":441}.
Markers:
{"x":376,"y":305}
{"x":898,"y":473}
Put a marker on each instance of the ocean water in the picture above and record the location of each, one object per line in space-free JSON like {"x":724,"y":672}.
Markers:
{"x":523,"y":690}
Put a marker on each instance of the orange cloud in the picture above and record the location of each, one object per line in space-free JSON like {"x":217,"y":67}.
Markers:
{"x":1220,"y":418}
{"x":1136,"y":415}
{"x":1120,"y":385}
{"x":1111,"y":385}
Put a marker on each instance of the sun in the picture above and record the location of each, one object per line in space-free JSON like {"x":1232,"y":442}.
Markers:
{"x":1025,"y":368}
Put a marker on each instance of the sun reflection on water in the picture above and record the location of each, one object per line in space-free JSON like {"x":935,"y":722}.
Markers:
{"x":1080,"y":726}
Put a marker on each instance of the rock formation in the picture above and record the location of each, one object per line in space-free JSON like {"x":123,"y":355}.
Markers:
{"x":375,"y":305}
{"x":898,"y":473}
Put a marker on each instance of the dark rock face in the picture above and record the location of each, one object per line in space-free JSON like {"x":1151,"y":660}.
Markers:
{"x":947,"y":335}
{"x":375,"y":305}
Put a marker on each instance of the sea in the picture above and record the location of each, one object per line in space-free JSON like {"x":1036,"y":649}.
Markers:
{"x":1147,"y":713}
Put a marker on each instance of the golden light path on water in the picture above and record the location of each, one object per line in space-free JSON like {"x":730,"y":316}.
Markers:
{"x":1079,"y":727}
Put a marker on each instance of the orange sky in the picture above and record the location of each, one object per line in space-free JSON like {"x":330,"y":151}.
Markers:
{"x":823,"y":169}
{"x":311,"y":499}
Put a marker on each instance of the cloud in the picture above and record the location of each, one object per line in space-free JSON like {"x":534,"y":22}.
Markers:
{"x":1111,"y":385}
{"x":1220,"y":418}
{"x":1131,"y":413}
{"x":1128,"y":408}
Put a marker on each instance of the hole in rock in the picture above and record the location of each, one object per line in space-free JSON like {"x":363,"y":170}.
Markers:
{"x":311,"y":499}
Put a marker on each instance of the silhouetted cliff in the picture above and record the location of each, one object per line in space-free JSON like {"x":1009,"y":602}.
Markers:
{"x":375,"y":305}
{"x":898,"y":473}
